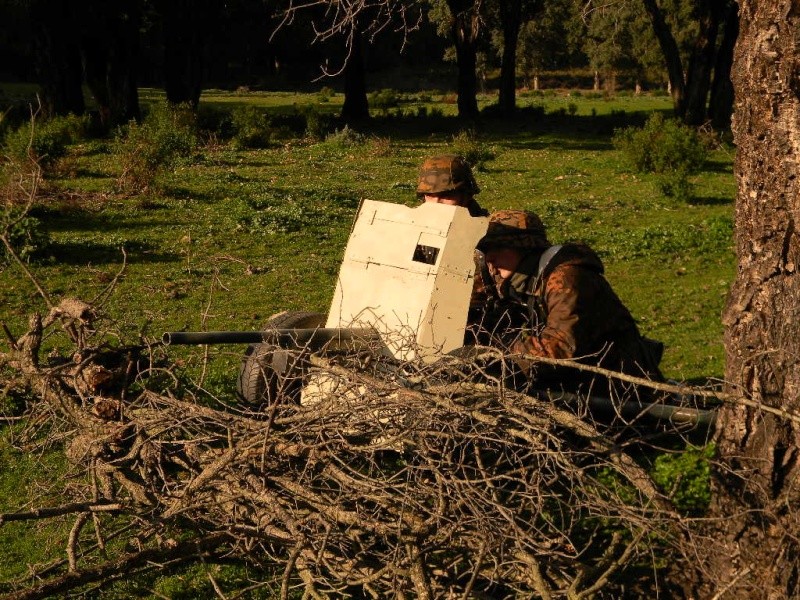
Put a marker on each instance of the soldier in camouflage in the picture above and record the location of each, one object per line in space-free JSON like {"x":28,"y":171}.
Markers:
{"x":559,"y":306}
{"x":448,"y":179}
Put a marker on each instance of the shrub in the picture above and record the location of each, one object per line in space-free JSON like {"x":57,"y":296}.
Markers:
{"x":25,"y":233}
{"x":167,"y":134}
{"x":318,"y":124}
{"x":345,"y":138}
{"x":466,"y":144}
{"x":667,"y":148}
{"x":47,"y":140}
{"x":384,"y":99}
{"x":251,"y":127}
{"x":325,"y":94}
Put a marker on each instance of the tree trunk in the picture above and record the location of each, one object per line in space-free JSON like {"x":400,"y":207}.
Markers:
{"x":757,"y":492}
{"x":57,"y":55}
{"x":110,"y":49}
{"x":720,"y":104}
{"x":466,"y":27}
{"x":672,"y":57}
{"x":698,"y":79}
{"x":511,"y":17}
{"x":356,"y":106}
{"x":186,"y":26}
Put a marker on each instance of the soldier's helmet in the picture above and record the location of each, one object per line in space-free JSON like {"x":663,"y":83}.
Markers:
{"x":518,"y":229}
{"x":446,"y":173}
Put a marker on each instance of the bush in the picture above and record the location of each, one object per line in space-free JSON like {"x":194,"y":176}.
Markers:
{"x":667,"y":148}
{"x":384,"y":99}
{"x":345,"y":138}
{"x":251,"y":127}
{"x":325,"y":94}
{"x":475,"y":152}
{"x":47,"y":140}
{"x":26,"y":235}
{"x":318,"y":124}
{"x":167,"y":134}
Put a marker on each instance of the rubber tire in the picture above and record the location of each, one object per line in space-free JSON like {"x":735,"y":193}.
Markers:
{"x":269,"y":373}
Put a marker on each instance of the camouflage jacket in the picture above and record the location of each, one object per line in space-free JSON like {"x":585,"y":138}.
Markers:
{"x":570,"y":312}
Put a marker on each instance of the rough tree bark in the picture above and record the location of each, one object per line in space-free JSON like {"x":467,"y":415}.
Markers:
{"x":757,"y":491}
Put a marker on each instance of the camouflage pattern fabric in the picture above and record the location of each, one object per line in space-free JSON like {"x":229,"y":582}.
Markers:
{"x":572,"y":314}
{"x":446,"y":173}
{"x":518,"y":229}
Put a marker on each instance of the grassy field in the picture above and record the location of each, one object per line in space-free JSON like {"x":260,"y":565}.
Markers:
{"x":235,"y":235}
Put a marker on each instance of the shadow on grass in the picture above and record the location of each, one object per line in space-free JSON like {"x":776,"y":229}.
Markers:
{"x":710,"y":201}
{"x":82,"y":253}
{"x":718,"y":167}
{"x":78,"y":219}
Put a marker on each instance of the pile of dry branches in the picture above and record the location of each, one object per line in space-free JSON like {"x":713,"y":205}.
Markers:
{"x":448,"y":487}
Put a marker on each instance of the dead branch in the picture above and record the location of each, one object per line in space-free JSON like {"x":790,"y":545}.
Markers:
{"x":55,"y":511}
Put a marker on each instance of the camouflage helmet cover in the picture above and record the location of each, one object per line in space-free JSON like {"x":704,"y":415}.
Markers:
{"x":446,"y":173}
{"x":518,"y":229}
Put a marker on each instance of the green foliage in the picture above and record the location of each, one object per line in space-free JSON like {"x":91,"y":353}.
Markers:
{"x":384,"y":99}
{"x":167,"y":135}
{"x":26,"y":235}
{"x":271,"y":212}
{"x":251,"y":127}
{"x":467,"y":144}
{"x":325,"y":94}
{"x":706,"y":237}
{"x":685,"y":477}
{"x":345,"y":138}
{"x":666,"y":147}
{"x":317,"y":124}
{"x":45,"y":141}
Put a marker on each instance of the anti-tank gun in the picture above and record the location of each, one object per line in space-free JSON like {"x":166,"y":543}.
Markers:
{"x":402,"y":294}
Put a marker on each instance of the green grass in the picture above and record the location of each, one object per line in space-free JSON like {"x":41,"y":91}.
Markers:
{"x":237,"y":235}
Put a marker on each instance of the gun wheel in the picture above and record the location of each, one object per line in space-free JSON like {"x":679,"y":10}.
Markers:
{"x":270,"y":374}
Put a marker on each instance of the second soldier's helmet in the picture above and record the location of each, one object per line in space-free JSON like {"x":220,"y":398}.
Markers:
{"x":446,"y":173}
{"x":519,"y":229}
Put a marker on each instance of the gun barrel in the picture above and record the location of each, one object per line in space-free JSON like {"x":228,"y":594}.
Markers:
{"x":285,"y":338}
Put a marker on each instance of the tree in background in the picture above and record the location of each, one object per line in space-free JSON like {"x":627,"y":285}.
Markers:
{"x":186,"y":25}
{"x":512,"y":17}
{"x":57,"y":54}
{"x":463,"y":22}
{"x":551,"y":40}
{"x":690,"y":79}
{"x":110,"y":46}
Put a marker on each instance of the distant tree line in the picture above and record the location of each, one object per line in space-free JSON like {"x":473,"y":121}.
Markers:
{"x":184,"y":46}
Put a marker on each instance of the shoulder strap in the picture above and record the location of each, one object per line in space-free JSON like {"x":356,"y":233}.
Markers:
{"x":537,"y":311}
{"x":546,"y":259}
